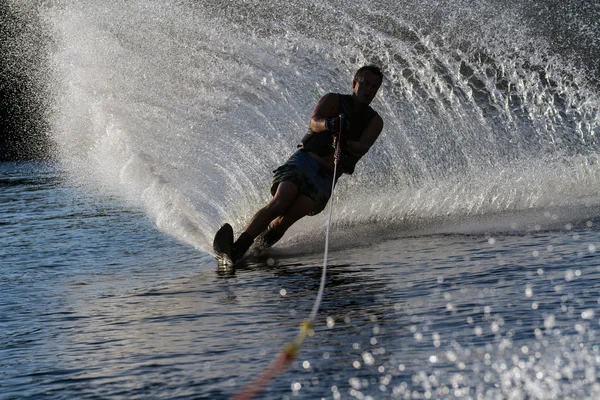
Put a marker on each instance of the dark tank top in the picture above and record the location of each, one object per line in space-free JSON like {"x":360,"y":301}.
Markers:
{"x":321,"y":143}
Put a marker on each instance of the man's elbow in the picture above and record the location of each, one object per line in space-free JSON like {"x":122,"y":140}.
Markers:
{"x":359,"y":149}
{"x":315,"y":124}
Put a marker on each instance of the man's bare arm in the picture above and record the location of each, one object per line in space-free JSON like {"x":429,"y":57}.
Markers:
{"x":326,"y":107}
{"x":367,"y":138}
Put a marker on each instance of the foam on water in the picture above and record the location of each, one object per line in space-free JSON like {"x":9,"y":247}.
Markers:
{"x":186,"y":107}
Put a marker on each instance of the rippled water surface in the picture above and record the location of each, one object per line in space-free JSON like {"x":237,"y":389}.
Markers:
{"x":464,"y":249}
{"x":96,"y":303}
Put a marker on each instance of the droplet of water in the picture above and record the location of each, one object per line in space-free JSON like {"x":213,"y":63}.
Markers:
{"x":451,"y":356}
{"x":549,"y":322}
{"x":368,"y":358}
{"x":330,"y":322}
{"x":588,"y":314}
{"x":569,"y":275}
{"x":355,"y":383}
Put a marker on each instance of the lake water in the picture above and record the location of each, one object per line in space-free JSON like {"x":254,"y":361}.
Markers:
{"x":464,"y":249}
{"x":96,"y":303}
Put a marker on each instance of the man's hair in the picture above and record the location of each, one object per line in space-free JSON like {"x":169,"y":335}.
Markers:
{"x":368,"y":68}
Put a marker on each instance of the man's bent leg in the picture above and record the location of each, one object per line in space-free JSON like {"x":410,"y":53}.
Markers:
{"x":283,"y":199}
{"x":301,"y":207}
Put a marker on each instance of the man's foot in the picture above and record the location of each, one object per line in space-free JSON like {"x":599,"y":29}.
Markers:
{"x":268,"y":238}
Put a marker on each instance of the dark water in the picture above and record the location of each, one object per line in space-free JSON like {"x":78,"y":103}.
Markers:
{"x":96,"y":303}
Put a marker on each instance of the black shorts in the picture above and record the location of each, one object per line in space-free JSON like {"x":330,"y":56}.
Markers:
{"x":312,"y":178}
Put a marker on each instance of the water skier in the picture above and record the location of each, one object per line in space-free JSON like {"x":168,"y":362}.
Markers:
{"x":302,"y":186}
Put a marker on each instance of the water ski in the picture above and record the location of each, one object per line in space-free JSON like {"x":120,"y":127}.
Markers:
{"x":223,"y":245}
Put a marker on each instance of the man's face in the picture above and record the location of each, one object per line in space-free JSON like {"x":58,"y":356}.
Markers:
{"x":365,"y":88}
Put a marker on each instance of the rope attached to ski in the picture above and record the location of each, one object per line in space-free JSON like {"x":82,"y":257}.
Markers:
{"x":291,"y":350}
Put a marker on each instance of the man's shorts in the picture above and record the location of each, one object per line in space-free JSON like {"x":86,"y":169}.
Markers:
{"x":313,"y":180}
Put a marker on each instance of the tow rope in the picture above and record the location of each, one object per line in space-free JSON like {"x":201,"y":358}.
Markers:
{"x":291,"y":350}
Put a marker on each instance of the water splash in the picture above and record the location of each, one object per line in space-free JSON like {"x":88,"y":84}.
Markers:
{"x":186,"y":107}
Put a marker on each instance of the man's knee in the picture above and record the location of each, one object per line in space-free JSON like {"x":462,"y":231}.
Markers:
{"x":301,"y":208}
{"x":279,"y":205}
{"x":283,"y":199}
{"x":285,"y":223}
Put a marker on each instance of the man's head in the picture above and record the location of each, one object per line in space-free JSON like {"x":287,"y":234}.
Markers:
{"x":366,"y":83}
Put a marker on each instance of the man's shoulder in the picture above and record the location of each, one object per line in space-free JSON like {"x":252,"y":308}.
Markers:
{"x":376,"y":124}
{"x":330,"y":99}
{"x":373,"y":114}
{"x":331,"y":96}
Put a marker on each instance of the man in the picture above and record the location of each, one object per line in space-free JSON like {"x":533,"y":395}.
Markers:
{"x":302,"y":186}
